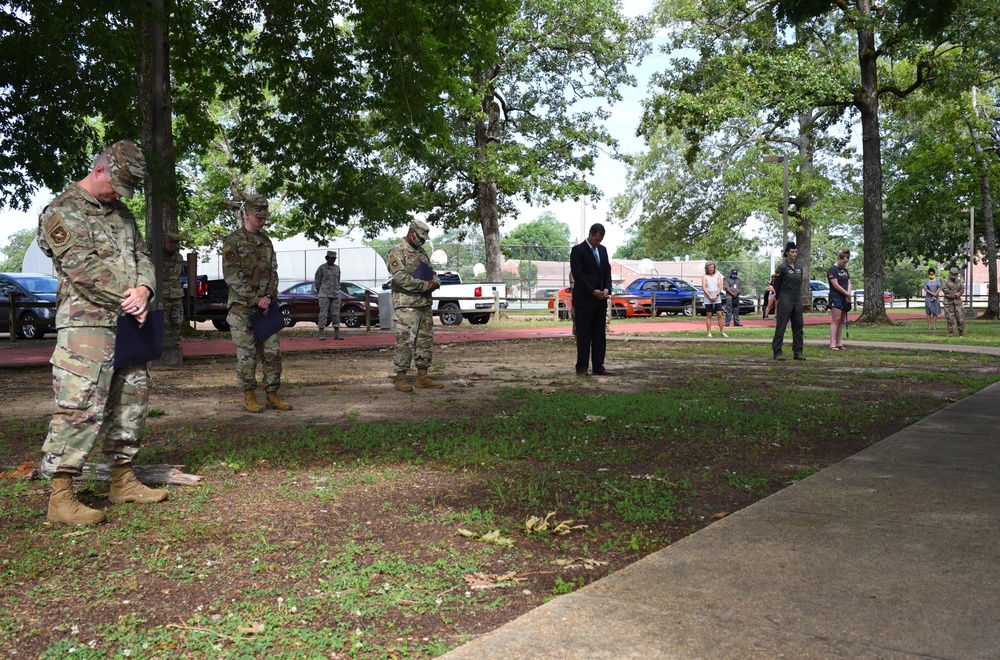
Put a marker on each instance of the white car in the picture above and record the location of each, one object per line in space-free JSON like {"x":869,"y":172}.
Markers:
{"x":820,"y":295}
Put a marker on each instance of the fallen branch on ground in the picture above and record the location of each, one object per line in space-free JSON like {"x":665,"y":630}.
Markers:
{"x":156,"y":475}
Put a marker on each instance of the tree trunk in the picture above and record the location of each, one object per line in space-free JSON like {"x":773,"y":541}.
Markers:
{"x":157,"y":126}
{"x":989,"y":231}
{"x":871,"y":158}
{"x":487,"y":208}
{"x":158,"y":145}
{"x":803,"y":202}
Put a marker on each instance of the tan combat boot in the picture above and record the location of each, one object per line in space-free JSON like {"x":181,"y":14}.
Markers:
{"x":65,"y":508}
{"x":274,"y":401}
{"x":126,"y":488}
{"x":251,"y":402}
{"x":401,"y":384}
{"x":423,"y":380}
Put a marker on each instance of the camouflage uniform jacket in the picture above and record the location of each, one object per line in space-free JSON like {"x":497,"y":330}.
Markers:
{"x":328,"y":281}
{"x":952,"y":290}
{"x":407,"y":290}
{"x":98,"y":254}
{"x":250,"y":267}
{"x":173,"y":265}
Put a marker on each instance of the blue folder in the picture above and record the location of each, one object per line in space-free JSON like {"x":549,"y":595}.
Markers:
{"x":265,"y":326}
{"x":135,"y":345}
{"x":424,"y":272}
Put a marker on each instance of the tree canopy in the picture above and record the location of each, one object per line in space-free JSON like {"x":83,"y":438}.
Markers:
{"x":544,"y":239}
{"x":13,"y":252}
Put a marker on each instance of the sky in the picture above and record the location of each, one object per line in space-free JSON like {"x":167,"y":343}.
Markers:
{"x":621,"y":124}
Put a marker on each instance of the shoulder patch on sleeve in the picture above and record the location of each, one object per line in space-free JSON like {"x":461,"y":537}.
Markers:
{"x":57,"y":234}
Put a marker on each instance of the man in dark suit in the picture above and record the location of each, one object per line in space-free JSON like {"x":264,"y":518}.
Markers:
{"x":591,"y":270}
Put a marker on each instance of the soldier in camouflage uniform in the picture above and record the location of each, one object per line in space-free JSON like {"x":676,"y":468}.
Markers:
{"x":104,"y":271}
{"x":173,"y":294}
{"x":952,"y":290}
{"x":251,"y":271}
{"x":411,"y":302}
{"x":327,"y":281}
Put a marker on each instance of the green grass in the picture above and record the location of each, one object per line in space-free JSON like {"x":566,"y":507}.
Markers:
{"x":310,"y":553}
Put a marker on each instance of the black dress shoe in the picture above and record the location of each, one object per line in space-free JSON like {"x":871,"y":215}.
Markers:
{"x":779,"y":356}
{"x":798,"y":356}
{"x":582,"y":373}
{"x":604,"y":372}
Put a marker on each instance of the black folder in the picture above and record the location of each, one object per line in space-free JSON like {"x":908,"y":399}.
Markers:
{"x":135,"y":345}
{"x":265,"y":326}
{"x":423,"y":272}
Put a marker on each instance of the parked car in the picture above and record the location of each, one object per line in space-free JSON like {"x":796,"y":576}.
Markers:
{"x":28,"y":288}
{"x":671,"y":295}
{"x":747,"y":304}
{"x":820,"y":295}
{"x":623,"y":303}
{"x":355,"y":294}
{"x":544,"y":294}
{"x":859,"y":296}
{"x":299,"y":302}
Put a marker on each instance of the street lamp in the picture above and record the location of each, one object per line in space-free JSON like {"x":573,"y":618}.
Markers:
{"x":783,"y":158}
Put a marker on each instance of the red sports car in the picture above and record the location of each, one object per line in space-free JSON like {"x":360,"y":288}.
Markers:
{"x":623,"y":303}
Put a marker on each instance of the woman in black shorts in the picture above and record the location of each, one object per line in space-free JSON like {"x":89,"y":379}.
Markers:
{"x":840,"y":298}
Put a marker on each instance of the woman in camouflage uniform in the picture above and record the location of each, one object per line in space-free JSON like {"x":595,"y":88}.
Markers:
{"x":251,"y":271}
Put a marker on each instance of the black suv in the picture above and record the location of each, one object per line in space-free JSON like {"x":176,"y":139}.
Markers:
{"x":24,"y":289}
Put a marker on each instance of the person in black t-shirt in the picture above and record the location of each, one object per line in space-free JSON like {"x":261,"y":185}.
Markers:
{"x":840,"y":298}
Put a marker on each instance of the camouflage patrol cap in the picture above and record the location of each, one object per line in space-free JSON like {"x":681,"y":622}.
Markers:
{"x":331,"y":253}
{"x":127,"y":166}
{"x":256,"y":205}
{"x":172,"y":236}
{"x":422,"y":228}
{"x":953,"y":271}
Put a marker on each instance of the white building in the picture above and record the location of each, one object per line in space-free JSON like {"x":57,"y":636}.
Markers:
{"x":298,"y":259}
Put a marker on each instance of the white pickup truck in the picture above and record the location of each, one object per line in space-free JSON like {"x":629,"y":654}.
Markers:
{"x":456,"y":300}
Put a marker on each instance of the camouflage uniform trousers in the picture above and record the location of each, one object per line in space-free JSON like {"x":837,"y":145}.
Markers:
{"x":954,"y":313}
{"x":414,"y":337}
{"x":329,"y":312}
{"x":93,"y":400}
{"x":173,"y":317}
{"x":248,"y":350}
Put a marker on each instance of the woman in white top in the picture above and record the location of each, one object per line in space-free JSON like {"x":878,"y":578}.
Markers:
{"x":711,"y":284}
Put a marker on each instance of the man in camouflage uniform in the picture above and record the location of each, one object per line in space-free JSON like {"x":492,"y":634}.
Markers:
{"x":104,"y":271}
{"x":173,"y":294}
{"x":250,"y":268}
{"x":952,"y":290}
{"x":411,"y":302}
{"x":327,"y":281}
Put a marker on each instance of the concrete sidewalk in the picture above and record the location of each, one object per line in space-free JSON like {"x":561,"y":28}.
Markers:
{"x":892,"y":553}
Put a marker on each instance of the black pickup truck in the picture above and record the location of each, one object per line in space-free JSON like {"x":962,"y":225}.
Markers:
{"x":210,"y":302}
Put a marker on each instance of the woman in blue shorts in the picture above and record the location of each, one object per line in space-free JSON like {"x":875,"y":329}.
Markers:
{"x":711,"y":284}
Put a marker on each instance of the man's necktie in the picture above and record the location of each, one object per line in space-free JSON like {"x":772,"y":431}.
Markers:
{"x":597,"y":257}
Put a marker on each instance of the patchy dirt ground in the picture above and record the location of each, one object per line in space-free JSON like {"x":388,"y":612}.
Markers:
{"x":329,"y":530}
